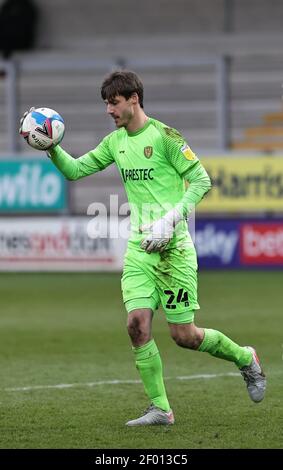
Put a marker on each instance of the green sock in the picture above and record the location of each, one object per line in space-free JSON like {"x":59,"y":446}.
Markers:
{"x":219,"y":345}
{"x":149,"y":365}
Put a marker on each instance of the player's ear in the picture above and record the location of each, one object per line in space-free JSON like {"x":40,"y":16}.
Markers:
{"x":135,"y":98}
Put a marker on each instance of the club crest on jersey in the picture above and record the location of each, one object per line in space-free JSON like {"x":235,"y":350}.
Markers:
{"x":186,"y":151}
{"x":148,"y":151}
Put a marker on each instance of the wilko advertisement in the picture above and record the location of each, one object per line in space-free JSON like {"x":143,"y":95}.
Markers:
{"x":57,"y":244}
{"x":261,"y":244}
{"x":29,"y":185}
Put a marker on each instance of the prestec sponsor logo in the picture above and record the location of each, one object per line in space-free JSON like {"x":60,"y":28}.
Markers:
{"x":261,"y":243}
{"x":137,"y":174}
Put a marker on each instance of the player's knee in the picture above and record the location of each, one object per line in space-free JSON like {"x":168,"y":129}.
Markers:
{"x":138,"y":330}
{"x":189,"y":341}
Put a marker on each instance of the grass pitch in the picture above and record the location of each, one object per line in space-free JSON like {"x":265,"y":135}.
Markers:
{"x":68,"y":331}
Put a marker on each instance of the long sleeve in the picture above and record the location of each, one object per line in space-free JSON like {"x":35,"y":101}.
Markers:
{"x":199,"y":185}
{"x":92,"y":162}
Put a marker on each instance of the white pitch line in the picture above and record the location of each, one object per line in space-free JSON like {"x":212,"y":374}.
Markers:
{"x":118,"y":382}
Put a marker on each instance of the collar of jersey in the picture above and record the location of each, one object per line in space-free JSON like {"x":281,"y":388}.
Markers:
{"x":139,"y":131}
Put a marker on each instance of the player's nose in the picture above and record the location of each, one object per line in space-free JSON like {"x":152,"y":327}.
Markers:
{"x":109,"y":108}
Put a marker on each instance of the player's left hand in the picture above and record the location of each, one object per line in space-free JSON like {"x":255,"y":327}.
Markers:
{"x":160,"y":233}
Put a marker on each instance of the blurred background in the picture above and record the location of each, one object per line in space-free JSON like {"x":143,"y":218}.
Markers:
{"x":212,"y":69}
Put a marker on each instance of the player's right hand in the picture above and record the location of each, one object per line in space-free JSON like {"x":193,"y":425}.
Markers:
{"x":160,"y":232}
{"x":23,"y":118}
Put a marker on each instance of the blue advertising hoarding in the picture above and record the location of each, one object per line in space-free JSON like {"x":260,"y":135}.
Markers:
{"x":239,"y":243}
{"x":30,"y":185}
{"x":217,"y":243}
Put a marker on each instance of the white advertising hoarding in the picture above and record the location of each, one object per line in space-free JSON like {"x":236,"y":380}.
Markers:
{"x":58,"y":244}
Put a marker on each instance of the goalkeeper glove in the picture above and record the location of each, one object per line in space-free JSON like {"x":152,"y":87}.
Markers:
{"x":160,"y":232}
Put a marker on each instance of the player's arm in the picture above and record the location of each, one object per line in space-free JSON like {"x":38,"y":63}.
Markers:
{"x":186,"y":163}
{"x":73,"y":169}
{"x":199,"y":185}
{"x":92,"y":162}
{"x":189,"y":167}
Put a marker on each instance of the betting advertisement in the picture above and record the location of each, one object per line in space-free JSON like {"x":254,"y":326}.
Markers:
{"x":235,"y":243}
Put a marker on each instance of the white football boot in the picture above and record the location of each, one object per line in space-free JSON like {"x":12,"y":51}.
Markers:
{"x":153,"y":415}
{"x":254,"y":378}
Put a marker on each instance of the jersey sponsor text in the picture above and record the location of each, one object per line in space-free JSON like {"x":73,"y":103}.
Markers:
{"x":137,"y":174}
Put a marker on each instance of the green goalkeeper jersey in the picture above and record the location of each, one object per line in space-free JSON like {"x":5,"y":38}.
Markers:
{"x":154,"y":163}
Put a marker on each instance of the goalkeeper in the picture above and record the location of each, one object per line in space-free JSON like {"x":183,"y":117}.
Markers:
{"x":160,"y":265}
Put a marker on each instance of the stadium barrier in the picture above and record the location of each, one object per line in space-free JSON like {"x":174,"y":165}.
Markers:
{"x":15,"y":69}
{"x":71,"y":244}
{"x":57,"y":244}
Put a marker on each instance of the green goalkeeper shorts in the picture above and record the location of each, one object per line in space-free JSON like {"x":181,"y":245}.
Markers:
{"x":168,"y":278}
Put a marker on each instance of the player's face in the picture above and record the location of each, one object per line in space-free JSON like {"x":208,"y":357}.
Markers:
{"x":121,"y":110}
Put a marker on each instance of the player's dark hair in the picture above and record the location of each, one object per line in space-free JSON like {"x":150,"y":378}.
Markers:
{"x":124,"y":83}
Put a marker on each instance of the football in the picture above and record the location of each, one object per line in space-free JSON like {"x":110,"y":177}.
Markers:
{"x":43,"y":128}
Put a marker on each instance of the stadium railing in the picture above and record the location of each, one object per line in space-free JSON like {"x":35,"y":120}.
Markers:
{"x":13,"y":69}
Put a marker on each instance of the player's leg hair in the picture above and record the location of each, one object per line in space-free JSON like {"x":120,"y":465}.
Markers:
{"x":188,"y":335}
{"x":147,"y":357}
{"x":139,"y":326}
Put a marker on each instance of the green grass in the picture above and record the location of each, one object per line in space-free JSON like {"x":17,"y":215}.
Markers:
{"x":70,"y":329}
